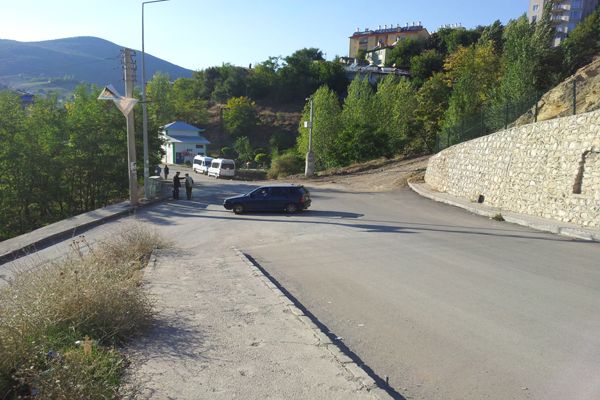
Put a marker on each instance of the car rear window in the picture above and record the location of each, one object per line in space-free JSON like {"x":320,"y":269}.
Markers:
{"x":227,"y":166}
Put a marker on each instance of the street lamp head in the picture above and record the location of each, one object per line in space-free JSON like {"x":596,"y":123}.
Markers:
{"x":153,"y":1}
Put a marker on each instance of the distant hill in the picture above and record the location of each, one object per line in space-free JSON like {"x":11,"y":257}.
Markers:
{"x":62,"y":64}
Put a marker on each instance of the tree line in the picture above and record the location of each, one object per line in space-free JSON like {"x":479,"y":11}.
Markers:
{"x":60,"y":159}
{"x":460,"y":78}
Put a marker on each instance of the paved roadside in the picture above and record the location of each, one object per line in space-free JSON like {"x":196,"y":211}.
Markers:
{"x":542,"y":224}
{"x":224,"y":331}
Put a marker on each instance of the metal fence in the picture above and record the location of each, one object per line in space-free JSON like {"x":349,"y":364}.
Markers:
{"x":576,"y":98}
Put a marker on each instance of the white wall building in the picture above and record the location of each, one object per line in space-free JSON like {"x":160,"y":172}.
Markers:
{"x":182,"y":142}
{"x":565,"y":14}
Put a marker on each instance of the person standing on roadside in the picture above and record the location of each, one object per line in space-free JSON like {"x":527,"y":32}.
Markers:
{"x":157,"y":171}
{"x":176,"y":185}
{"x":166,"y":171}
{"x":189,"y":183}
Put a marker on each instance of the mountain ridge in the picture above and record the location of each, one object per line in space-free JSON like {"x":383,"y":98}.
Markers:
{"x":61,"y":64}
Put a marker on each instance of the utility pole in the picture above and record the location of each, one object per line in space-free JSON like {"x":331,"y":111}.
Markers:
{"x":129,"y":79}
{"x":310,"y":157}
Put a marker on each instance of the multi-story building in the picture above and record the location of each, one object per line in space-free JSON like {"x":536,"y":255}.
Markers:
{"x":368,"y":39}
{"x":565,"y":14}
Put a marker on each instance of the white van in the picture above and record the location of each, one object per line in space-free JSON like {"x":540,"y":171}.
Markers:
{"x":221,"y":167}
{"x":202,"y":164}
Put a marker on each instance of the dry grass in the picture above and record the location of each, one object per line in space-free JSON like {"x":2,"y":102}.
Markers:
{"x":95,"y":293}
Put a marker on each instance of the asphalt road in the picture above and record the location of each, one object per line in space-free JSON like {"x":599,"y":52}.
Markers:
{"x":448,"y":305}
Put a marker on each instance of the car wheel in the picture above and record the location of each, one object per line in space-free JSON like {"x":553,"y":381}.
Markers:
{"x":238,"y":208}
{"x":291,"y":208}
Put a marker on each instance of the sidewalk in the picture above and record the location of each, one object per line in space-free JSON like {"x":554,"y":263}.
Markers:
{"x":31,"y":242}
{"x":542,"y":224}
{"x":226,"y":332}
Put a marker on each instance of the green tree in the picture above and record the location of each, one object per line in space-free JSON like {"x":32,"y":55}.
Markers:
{"x":583,"y":43}
{"x":404,"y":51}
{"x":432,"y":102}
{"x":240,"y":116}
{"x":494,"y":33}
{"x":473,"y":75}
{"x":96,"y":153}
{"x":326,"y":128}
{"x":359,"y":139}
{"x":424,"y":65}
{"x":161,"y":104}
{"x":263,"y":80}
{"x":244,"y":149}
{"x":232,"y":82}
{"x":188,"y":104}
{"x":449,"y":40}
{"x":395,"y":104}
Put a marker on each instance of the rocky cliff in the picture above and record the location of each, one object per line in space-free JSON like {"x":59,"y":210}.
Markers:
{"x":558,"y":102}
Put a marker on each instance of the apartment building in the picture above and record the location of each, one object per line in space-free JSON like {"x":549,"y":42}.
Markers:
{"x":565,"y":14}
{"x":368,"y":39}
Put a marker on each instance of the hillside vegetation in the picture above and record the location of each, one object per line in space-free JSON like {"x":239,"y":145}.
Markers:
{"x":60,"y":65}
{"x":558,"y":102}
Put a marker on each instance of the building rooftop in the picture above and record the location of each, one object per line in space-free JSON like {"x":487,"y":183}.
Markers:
{"x":181,"y":126}
{"x":187,"y":139}
{"x":391,"y":29}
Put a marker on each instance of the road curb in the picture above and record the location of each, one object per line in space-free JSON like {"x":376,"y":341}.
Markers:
{"x":537,"y":223}
{"x":345,"y":358}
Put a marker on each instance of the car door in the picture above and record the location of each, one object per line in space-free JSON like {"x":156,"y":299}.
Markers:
{"x":258,"y":200}
{"x":278,"y":198}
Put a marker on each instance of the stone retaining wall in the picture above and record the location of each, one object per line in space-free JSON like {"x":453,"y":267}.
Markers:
{"x":550,"y":169}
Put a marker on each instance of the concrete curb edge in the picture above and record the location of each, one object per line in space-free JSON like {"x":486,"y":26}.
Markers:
{"x":490,"y":212}
{"x":346,"y":362}
{"x":71,"y":232}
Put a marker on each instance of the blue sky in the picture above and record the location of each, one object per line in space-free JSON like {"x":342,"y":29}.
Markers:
{"x":200,"y":33}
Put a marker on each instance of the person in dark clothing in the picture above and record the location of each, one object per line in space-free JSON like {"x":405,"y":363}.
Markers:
{"x":166,"y":171}
{"x":176,"y":185}
{"x":189,"y":183}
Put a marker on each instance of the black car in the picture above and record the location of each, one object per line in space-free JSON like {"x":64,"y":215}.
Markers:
{"x":288,"y":198}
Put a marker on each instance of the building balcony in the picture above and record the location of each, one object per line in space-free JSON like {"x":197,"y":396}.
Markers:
{"x":560,"y":8}
{"x":559,"y":19}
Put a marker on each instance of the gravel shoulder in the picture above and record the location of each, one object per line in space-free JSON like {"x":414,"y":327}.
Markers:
{"x":224,"y":332}
{"x":373,"y":176}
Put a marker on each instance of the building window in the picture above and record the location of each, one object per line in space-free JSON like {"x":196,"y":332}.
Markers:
{"x":576,"y":15}
{"x":576,"y":4}
{"x":536,"y":7}
{"x":534,"y":18}
{"x":199,"y":146}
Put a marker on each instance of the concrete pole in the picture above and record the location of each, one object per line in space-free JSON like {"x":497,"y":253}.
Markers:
{"x":144,"y":114}
{"x":310,"y":157}
{"x":144,"y":109}
{"x":131,"y":164}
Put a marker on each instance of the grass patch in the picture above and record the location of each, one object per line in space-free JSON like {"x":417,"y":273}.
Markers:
{"x":498,"y":217}
{"x":60,"y":324}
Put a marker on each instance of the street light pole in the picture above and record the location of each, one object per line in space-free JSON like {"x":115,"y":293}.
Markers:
{"x":144,"y":107}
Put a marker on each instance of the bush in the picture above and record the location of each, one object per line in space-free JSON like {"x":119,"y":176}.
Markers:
{"x":188,"y":163}
{"x":261,"y":159}
{"x":227,"y":152}
{"x":285,"y":165}
{"x":95,"y":293}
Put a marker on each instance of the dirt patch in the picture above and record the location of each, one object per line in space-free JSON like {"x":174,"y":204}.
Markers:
{"x":380,"y":175}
